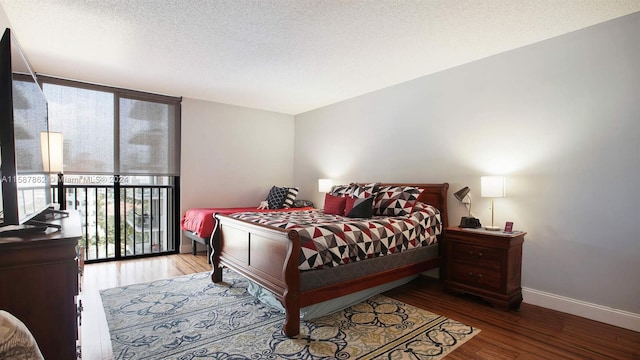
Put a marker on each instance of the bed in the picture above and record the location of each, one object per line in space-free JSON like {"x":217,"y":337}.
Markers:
{"x":270,"y":256}
{"x":197,"y":224}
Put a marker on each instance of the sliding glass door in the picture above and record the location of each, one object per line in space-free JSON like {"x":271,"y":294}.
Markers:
{"x":121,"y":166}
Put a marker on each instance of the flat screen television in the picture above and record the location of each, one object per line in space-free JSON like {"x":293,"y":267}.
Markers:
{"x":26,"y":186}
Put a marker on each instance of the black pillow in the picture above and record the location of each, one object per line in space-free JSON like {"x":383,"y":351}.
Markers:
{"x":360,"y":208}
{"x":277,"y":196}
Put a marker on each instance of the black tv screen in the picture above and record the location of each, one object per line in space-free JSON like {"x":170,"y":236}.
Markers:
{"x":26,"y":187}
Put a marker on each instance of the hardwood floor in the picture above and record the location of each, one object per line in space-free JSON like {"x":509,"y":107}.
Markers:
{"x":530,"y":333}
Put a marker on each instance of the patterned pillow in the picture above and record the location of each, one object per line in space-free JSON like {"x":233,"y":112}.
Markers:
{"x":277,"y":196}
{"x":363,"y":191}
{"x":359,"y":207}
{"x":292,"y":193}
{"x":396,"y":200}
{"x":341,"y":190}
{"x":302,"y":203}
{"x":334,"y":204}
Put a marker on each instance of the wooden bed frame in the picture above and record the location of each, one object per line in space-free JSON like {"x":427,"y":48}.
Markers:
{"x":269,"y":256}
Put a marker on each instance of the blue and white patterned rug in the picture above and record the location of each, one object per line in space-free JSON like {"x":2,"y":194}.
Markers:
{"x":189,"y":317}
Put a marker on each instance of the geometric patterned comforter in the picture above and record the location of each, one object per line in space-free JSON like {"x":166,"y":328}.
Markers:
{"x":332,"y":240}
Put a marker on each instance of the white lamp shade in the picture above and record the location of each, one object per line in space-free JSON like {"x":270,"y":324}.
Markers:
{"x":52,"y":151}
{"x":492,"y":186}
{"x":324,"y":185}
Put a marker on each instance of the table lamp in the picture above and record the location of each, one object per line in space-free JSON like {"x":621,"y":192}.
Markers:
{"x":324,"y":185}
{"x":492,"y":187}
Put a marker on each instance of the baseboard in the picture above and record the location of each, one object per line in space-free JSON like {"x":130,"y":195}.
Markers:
{"x":185,"y":248}
{"x":188,"y":248}
{"x":607,"y":315}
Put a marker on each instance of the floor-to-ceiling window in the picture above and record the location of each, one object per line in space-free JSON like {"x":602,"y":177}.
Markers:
{"x":121,"y":166}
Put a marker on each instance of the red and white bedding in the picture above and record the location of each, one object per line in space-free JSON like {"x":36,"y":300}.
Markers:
{"x":332,"y":240}
{"x":201,"y":221}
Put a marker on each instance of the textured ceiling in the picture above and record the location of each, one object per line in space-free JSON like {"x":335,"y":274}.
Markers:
{"x":288,"y":56}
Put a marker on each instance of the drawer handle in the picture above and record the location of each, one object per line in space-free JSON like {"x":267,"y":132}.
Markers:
{"x":479,"y":254}
{"x":476,"y":275}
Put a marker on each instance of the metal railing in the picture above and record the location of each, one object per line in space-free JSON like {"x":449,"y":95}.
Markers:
{"x":120,"y":221}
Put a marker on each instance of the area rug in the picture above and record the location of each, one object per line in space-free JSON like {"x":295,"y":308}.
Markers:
{"x":189,"y":317}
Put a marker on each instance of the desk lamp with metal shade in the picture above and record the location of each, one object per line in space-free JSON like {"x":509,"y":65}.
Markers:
{"x":467,"y":221}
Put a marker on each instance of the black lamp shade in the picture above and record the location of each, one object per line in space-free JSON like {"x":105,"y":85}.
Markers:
{"x":462,"y":193}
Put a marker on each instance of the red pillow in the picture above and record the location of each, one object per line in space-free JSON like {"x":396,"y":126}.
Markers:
{"x":334,"y":204}
{"x":348,"y":205}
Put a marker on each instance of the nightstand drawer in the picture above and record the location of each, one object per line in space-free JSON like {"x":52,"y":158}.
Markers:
{"x":476,"y":276}
{"x":476,"y":255}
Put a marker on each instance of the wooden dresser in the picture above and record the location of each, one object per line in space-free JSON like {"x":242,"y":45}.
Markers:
{"x":485,"y":263}
{"x":39,"y":284}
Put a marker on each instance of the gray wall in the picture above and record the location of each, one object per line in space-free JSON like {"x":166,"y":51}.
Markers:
{"x":560,"y":118}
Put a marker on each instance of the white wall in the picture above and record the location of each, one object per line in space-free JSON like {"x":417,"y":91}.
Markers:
{"x":561,"y":119}
{"x":4,"y":20}
{"x":231,"y":156}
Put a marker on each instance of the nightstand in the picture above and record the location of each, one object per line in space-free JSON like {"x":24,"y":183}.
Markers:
{"x":485,"y":263}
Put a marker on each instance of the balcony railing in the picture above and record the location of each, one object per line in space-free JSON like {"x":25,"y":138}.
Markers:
{"x":120,"y":221}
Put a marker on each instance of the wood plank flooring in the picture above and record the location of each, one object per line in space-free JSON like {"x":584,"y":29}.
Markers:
{"x":530,"y":333}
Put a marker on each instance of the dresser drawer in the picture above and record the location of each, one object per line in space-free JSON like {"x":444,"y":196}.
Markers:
{"x":476,"y":276}
{"x":480,"y":256}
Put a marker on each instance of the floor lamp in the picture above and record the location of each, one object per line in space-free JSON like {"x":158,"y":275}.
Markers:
{"x":52,"y":160}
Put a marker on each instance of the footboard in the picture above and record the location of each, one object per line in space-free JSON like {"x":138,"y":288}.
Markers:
{"x":268,"y":256}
